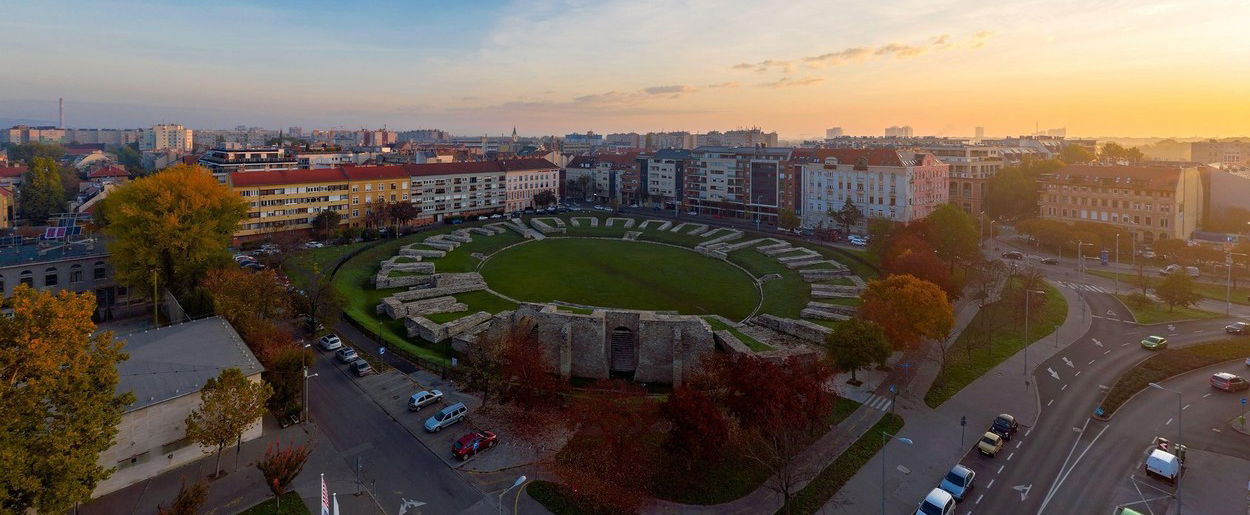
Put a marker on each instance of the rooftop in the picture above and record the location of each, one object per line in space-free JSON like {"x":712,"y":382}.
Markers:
{"x":1159,"y":177}
{"x":176,"y":360}
{"x":44,"y":252}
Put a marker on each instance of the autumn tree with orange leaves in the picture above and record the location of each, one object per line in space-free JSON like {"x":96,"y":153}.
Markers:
{"x":281,"y":466}
{"x":610,"y":462}
{"x":908,"y":308}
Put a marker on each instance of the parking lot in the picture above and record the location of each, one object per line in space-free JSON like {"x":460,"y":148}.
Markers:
{"x":988,"y":468}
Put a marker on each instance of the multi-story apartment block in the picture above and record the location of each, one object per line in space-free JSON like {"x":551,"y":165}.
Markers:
{"x":285,"y":200}
{"x":1150,"y":202}
{"x":624,"y":140}
{"x":168,"y":137}
{"x":53,"y":266}
{"x":662,"y":175}
{"x":221,"y":161}
{"x":899,"y":185}
{"x":450,"y":190}
{"x":20,"y":134}
{"x":582,"y":143}
{"x":111,"y":137}
{"x":971,"y":167}
{"x":526,"y":178}
{"x":737,"y":138}
{"x":312,"y":159}
{"x":663,"y":140}
{"x":739,"y":182}
{"x":6,"y":207}
{"x":1223,"y":153}
{"x":904,"y":131}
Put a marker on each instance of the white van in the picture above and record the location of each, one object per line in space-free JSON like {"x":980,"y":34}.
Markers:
{"x":1163,"y":464}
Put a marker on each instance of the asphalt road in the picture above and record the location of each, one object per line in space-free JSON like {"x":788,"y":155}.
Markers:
{"x":1061,"y":463}
{"x":395,"y":466}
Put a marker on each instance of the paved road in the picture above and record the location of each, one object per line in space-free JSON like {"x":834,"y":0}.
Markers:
{"x":390,"y":456}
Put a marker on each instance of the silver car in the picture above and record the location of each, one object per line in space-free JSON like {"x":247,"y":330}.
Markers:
{"x":958,"y":481}
{"x":330,"y":342}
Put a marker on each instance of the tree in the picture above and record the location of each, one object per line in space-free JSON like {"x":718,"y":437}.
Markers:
{"x":1010,"y":195}
{"x":58,"y":380}
{"x":787,"y":220}
{"x":281,"y":466}
{"x":909,"y":309}
{"x":28,"y":152}
{"x":855,"y":344}
{"x":699,"y":430}
{"x":285,"y":373}
{"x":909,"y":254}
{"x":1177,"y":289}
{"x":529,"y":382}
{"x":41,"y":194}
{"x":248,"y":299}
{"x":608,"y":463}
{"x":324,"y":224}
{"x":230,"y":405}
{"x":321,"y":302}
{"x":376,"y":213}
{"x":1076,"y":154}
{"x":175,"y":223}
{"x":483,"y":363}
{"x":953,"y":234}
{"x":188,"y":501}
{"x":1113,"y":151}
{"x":544,"y":198}
{"x":129,"y":157}
{"x":402,"y":212}
{"x":847,"y":216}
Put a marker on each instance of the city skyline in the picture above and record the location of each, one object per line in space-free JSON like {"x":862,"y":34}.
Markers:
{"x":1104,"y":69}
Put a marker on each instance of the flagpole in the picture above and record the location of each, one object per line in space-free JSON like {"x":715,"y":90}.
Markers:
{"x":335,"y":501}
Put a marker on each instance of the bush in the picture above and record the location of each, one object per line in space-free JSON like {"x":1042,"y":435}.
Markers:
{"x":1138,"y":300}
{"x":1168,"y":363}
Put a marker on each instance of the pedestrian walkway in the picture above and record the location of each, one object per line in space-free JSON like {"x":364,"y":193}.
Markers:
{"x":1083,"y":287}
{"x":879,"y":402}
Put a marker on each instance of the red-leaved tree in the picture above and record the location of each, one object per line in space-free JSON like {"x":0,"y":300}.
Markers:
{"x":609,"y":462}
{"x":281,"y":466}
{"x":699,"y":429}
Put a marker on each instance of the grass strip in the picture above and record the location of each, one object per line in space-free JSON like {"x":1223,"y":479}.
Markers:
{"x":1170,"y":362}
{"x":825,"y":485}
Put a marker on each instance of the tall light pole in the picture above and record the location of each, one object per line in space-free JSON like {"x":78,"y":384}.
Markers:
{"x":1080,"y":259}
{"x":992,"y":231}
{"x":515,"y":484}
{"x":304,"y":417}
{"x":1116,"y":273}
{"x":981,"y":234}
{"x":1228,"y":285}
{"x":1179,"y":435}
{"x":1028,"y":297}
{"x":885,"y":438}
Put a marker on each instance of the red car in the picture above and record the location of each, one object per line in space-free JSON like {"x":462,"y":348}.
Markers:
{"x":469,"y":445}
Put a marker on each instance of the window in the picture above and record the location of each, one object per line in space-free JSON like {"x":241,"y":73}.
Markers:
{"x":99,"y":272}
{"x":27,"y":278}
{"x":75,"y":274}
{"x":49,"y":277}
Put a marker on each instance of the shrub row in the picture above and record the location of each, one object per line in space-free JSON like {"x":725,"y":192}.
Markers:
{"x":1168,"y":363}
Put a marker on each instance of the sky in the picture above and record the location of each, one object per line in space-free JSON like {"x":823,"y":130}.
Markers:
{"x":1138,"y":68}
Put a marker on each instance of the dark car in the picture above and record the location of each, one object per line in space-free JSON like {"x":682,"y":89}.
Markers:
{"x":361,"y":368}
{"x":1237,"y":328}
{"x":1005,"y":425}
{"x":469,"y":445}
{"x":1049,"y":261}
{"x":1013,"y":254}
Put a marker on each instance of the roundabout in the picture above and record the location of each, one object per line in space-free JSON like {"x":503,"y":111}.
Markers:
{"x":613,"y":273}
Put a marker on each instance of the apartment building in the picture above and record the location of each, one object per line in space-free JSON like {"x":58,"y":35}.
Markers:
{"x":112,"y":137}
{"x":19,"y":134}
{"x":899,"y":185}
{"x":739,"y":182}
{"x":971,"y":167}
{"x":167,"y":137}
{"x":527,"y":177}
{"x":310,"y":159}
{"x":222,"y":161}
{"x":1223,"y":153}
{"x":284,"y":200}
{"x":1150,"y":202}
{"x":662,"y":175}
{"x":737,"y":138}
{"x":582,"y":143}
{"x":904,"y":131}
{"x":450,"y":190}
{"x":6,"y":207}
{"x":663,"y":140}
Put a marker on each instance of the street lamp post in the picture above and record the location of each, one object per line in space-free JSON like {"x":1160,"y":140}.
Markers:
{"x":1080,"y":259}
{"x":885,"y":438}
{"x":992,"y":231}
{"x":981,"y":232}
{"x":304,"y":406}
{"x":518,"y":482}
{"x":1180,"y":433}
{"x":1028,"y":297}
{"x":1228,"y":285}
{"x":1116,"y":274}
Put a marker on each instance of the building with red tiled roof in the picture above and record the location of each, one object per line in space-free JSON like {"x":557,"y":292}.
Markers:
{"x":899,"y":185}
{"x":1150,"y":202}
{"x":12,"y":175}
{"x":109,"y":174}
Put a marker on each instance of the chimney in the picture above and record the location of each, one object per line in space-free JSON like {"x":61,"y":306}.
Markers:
{"x":61,"y":101}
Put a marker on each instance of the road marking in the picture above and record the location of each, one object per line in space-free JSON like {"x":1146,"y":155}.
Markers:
{"x":1018,"y":444}
{"x":1200,"y":331}
{"x":1048,"y":403}
{"x":1091,"y":362}
{"x":1053,"y":373}
{"x":1065,"y":387}
{"x":1169,"y":422}
{"x":1064,"y":475}
{"x":979,"y":499}
{"x":1068,"y":362}
{"x":1023,"y":489}
{"x":1096,"y":342}
{"x":1010,"y":455}
{"x":987,"y":487}
{"x":1125,"y":344}
{"x":1207,"y":395}
{"x":1106,"y":353}
{"x":1000,"y":469}
{"x":1078,"y":372}
{"x":1216,"y":429}
{"x":1185,"y":408}
{"x":1026,"y":433}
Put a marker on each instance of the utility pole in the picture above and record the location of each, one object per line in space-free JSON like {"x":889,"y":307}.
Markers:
{"x":156,"y":304}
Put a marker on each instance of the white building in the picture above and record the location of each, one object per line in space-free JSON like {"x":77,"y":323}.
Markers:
{"x":663,"y":175}
{"x":898,"y":132}
{"x":833,"y":132}
{"x":167,"y":137}
{"x":165,"y":372}
{"x":899,"y":185}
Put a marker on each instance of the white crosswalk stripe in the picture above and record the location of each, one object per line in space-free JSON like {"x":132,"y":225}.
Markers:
{"x":878,"y":402}
{"x":1084,"y":287}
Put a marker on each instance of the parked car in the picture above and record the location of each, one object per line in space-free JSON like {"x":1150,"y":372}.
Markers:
{"x":1237,"y":328}
{"x":496,"y":216}
{"x":1193,"y":272}
{"x":361,"y":368}
{"x":424,"y":398}
{"x":346,"y":355}
{"x":958,"y":482}
{"x":446,"y":417}
{"x":1163,"y":464}
{"x":938,"y":502}
{"x":469,"y":445}
{"x":1154,"y":343}
{"x":990,"y":444}
{"x":1004,"y":425}
{"x":1169,"y":270}
{"x":1228,"y":382}
{"x":252,"y":265}
{"x":1013,"y":255}
{"x":858,"y":241}
{"x":330,"y":342}
{"x":1148,"y":254}
{"x":1048,"y":261}
{"x":242,"y":257}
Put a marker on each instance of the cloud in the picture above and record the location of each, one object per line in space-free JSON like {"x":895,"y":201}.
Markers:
{"x":670,"y":90}
{"x":901,"y":51}
{"x":979,"y":39}
{"x":763,"y":66}
{"x":787,"y":82}
{"x":726,"y":85}
{"x":863,"y":53}
{"x":839,"y":57}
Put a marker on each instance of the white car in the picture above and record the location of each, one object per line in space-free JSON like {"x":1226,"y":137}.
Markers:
{"x":858,"y":241}
{"x":330,"y":342}
{"x":424,"y":398}
{"x":938,"y":502}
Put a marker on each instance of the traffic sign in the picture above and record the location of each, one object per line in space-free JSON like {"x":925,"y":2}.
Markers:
{"x":1243,"y":401}
{"x":893,"y":389}
{"x":381,"y":351}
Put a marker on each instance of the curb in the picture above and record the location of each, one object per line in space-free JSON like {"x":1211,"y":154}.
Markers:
{"x":1107,"y":418}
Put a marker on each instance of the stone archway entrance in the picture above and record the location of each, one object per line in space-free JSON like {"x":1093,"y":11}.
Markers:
{"x":623,"y":346}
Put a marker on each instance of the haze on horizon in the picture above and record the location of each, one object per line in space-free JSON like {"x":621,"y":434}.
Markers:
{"x":1108,"y":68}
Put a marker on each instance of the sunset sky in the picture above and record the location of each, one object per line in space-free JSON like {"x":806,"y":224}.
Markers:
{"x":1110,"y":68}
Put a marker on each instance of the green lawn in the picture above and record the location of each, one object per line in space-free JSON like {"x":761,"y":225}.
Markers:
{"x":746,"y":339}
{"x":621,"y":274}
{"x":1170,"y":362}
{"x":461,"y":259}
{"x":972,"y":356}
{"x":784,"y":297}
{"x":477,"y":301}
{"x":826,"y":484}
{"x":1157,"y":313}
{"x":291,"y":505}
{"x":1209,"y":290}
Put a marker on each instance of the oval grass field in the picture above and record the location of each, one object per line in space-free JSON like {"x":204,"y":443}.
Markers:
{"x":622,"y":274}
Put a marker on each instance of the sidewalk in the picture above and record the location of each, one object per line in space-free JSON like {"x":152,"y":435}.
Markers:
{"x":938,"y":439}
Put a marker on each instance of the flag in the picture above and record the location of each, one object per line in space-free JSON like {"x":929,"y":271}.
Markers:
{"x":336,"y":504}
{"x":325,"y":497}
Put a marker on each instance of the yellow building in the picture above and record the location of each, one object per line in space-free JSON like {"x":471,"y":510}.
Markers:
{"x":1151,"y":202}
{"x":6,"y":208}
{"x":288,"y":200}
